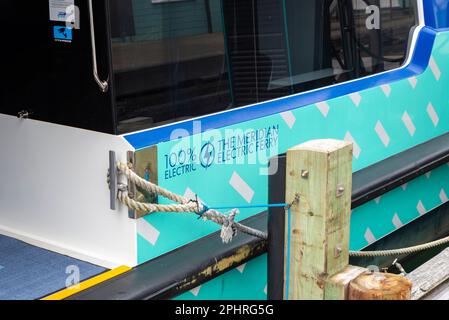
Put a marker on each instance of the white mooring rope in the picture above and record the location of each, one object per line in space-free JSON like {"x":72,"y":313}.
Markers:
{"x":399,"y":252}
{"x":182,"y":205}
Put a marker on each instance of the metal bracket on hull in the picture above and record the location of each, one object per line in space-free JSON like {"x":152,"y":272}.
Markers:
{"x":115,"y":186}
{"x":136,"y":162}
{"x":112,"y":180}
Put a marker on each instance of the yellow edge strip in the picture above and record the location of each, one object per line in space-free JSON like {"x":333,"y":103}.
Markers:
{"x":87,"y":284}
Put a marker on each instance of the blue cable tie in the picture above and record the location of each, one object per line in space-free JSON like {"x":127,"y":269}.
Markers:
{"x":205,"y":209}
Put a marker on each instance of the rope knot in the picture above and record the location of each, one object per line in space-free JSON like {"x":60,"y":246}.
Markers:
{"x":202,"y":212}
{"x":228,"y":230}
{"x":201,"y":208}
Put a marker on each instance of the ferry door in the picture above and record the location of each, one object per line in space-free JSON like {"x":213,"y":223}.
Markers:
{"x":49,"y":62}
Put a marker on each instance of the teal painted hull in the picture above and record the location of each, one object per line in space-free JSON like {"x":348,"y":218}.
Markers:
{"x":381,"y":121}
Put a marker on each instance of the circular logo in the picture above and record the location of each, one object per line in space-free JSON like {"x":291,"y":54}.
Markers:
{"x":207,"y":155}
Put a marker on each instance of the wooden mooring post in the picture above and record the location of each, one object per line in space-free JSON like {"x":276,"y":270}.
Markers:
{"x":316,"y":253}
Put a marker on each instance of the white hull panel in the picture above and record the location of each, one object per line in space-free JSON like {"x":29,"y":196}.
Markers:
{"x":54,"y":193}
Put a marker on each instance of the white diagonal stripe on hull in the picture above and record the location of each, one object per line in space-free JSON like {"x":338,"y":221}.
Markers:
{"x":369,"y":236}
{"x":443,"y":196}
{"x":433,"y":114}
{"x":356,"y":98}
{"x":323,"y":107}
{"x":196,"y":291}
{"x":386,"y":89}
{"x":421,"y":209}
{"x":413,"y":82}
{"x":147,"y":231}
{"x":289,"y":118}
{"x":383,"y":135}
{"x":408,"y":123}
{"x":241,"y":268}
{"x":435,"y":69}
{"x":241,"y":187}
{"x":357,"y":150}
{"x":397,"y":221}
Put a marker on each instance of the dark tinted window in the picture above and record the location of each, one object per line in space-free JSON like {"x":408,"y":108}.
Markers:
{"x":384,"y":48}
{"x":172,"y":63}
{"x":175,"y":60}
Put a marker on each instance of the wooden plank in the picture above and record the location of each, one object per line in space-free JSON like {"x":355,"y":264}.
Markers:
{"x":320,"y":172}
{"x":439,"y":293}
{"x":430,"y":275}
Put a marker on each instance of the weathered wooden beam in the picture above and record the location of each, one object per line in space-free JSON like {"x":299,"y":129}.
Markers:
{"x":430,"y":275}
{"x":319,"y":172}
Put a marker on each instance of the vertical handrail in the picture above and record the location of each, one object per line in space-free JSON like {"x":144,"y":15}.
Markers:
{"x":104,"y":86}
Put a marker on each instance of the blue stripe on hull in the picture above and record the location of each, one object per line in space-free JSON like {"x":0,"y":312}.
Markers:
{"x":418,"y":64}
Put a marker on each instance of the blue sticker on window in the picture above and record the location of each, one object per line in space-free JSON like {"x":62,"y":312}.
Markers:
{"x":62,"y":33}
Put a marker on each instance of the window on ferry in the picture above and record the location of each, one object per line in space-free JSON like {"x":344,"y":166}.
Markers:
{"x":178,"y":59}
